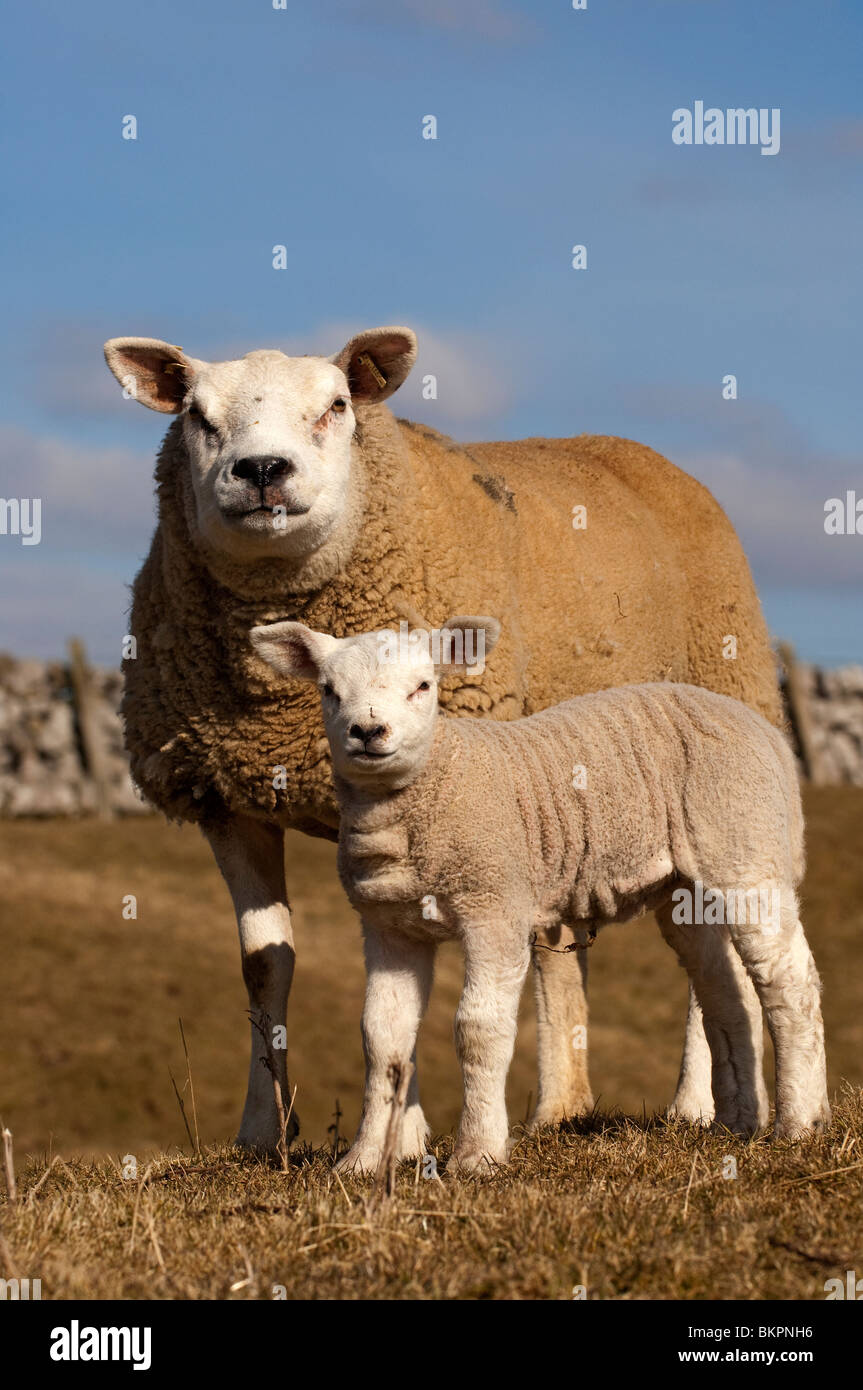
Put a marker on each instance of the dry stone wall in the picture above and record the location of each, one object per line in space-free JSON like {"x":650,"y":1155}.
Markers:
{"x":43,"y":765}
{"x":834,"y":702}
{"x":47,"y":769}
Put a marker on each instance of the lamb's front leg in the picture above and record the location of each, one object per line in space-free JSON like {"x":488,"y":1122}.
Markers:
{"x":398,"y":982}
{"x":250,"y":854}
{"x":496,"y":961}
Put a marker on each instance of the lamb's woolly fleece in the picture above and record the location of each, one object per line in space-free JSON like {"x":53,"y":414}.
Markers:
{"x":681,"y":784}
{"x":647,"y":592}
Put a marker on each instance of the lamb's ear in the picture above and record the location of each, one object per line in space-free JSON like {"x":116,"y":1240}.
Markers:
{"x":376,"y":362}
{"x":156,"y":374}
{"x":292,"y":648}
{"x":465,"y":642}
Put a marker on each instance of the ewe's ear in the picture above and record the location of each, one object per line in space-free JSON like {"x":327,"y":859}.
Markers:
{"x":465,"y":642}
{"x":156,"y":374}
{"x":292,"y":648}
{"x":376,"y":362}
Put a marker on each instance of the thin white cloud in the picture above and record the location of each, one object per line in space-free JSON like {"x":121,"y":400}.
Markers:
{"x":768,"y":475}
{"x":94,"y":500}
{"x":471,"y":385}
{"x":65,"y":371}
{"x":780,"y":519}
{"x":46,"y":603}
{"x":98,"y":513}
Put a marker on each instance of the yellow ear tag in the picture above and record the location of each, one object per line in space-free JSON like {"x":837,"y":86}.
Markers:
{"x":365,"y":361}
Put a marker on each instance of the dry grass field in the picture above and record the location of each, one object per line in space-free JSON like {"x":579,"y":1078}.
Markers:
{"x":623,"y":1204}
{"x":622,"y":1208}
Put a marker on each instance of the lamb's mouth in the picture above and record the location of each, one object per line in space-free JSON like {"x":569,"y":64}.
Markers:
{"x":369,"y":756}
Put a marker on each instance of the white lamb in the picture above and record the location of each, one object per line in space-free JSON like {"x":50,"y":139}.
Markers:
{"x":593,"y":811}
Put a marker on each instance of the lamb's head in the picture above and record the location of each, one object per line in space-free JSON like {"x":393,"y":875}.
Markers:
{"x":268,"y":437}
{"x":378,"y":689}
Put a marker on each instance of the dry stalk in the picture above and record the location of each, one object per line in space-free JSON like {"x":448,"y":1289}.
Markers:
{"x":9,"y":1167}
{"x":35,"y":1188}
{"x":385,"y":1178}
{"x":269,"y":1061}
{"x":191,"y":1087}
{"x":182,"y":1108}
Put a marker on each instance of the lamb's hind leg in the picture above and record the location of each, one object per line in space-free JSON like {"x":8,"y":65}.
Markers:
{"x":777,"y":956}
{"x":250,"y":854}
{"x":730,"y":1015}
{"x":560,"y":990}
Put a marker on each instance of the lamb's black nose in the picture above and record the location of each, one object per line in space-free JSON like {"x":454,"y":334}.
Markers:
{"x":262,"y":469}
{"x":366,"y":735}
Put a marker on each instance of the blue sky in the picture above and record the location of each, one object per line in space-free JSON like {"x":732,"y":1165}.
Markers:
{"x":303,"y":127}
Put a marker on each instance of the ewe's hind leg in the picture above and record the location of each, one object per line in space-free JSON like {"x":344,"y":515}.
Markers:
{"x":732,"y":1024}
{"x":560,"y":989}
{"x":496,"y":962}
{"x":783,"y":972}
{"x":693,"y":1099}
{"x":398,"y":982}
{"x":250,"y":854}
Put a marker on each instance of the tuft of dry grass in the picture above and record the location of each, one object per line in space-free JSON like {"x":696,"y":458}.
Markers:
{"x":619,"y":1207}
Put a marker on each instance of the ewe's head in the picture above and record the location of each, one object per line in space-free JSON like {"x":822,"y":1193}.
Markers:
{"x":379,"y":689}
{"x":268,"y":437}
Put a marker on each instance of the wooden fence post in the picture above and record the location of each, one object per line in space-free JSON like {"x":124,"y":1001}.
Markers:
{"x":96,"y":760}
{"x":798,"y":709}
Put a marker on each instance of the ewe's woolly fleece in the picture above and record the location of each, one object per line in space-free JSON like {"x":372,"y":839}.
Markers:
{"x":680,"y":783}
{"x":646,"y":592}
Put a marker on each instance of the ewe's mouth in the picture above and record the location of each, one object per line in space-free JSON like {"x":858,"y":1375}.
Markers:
{"x":237,"y":515}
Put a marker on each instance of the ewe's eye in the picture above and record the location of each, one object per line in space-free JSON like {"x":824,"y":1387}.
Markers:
{"x":339,"y":405}
{"x":195,"y":414}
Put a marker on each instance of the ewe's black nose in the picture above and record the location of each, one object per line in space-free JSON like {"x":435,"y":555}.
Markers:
{"x":366,"y":735}
{"x":262,"y":469}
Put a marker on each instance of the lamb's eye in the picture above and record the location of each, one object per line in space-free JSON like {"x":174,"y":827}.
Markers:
{"x":328,"y":690}
{"x":339,"y":405}
{"x":423,"y":685}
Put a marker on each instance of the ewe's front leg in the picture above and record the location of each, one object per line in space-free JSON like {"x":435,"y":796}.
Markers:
{"x":782,"y":969}
{"x":496,"y":961}
{"x":398,"y":982}
{"x":250,"y":854}
{"x":733,"y":1026}
{"x":560,"y":990}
